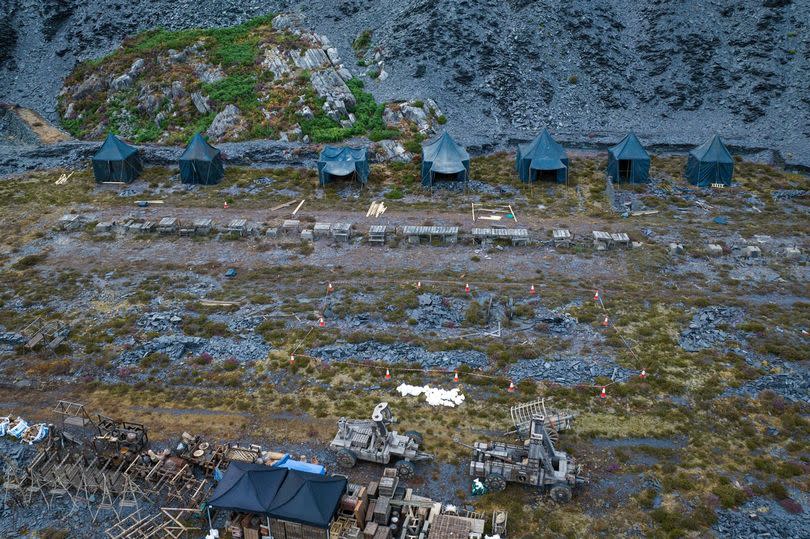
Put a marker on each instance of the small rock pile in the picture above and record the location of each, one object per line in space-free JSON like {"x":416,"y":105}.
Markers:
{"x":9,"y":340}
{"x":400,"y":353}
{"x":703,"y":331}
{"x":569,"y":372}
{"x":176,"y":347}
{"x":162,"y":322}
{"x":436,"y":311}
{"x":764,"y":517}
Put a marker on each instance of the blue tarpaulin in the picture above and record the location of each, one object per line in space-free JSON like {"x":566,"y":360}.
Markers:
{"x":709,"y":163}
{"x":337,"y":162}
{"x":542,"y":158}
{"x":292,"y":464}
{"x":116,"y":161}
{"x":444,"y":159}
{"x":628,"y":161}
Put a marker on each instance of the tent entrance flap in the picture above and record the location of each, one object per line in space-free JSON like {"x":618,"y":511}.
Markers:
{"x":545,"y":175}
{"x":625,"y":169}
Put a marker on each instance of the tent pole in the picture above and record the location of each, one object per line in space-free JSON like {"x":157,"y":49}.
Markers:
{"x":210,"y":524}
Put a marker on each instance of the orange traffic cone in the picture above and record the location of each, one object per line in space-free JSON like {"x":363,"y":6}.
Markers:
{"x":596,"y":295}
{"x":292,"y":359}
{"x":225,"y":205}
{"x":329,"y":288}
{"x":511,"y":387}
{"x":321,"y":323}
{"x":455,"y":376}
{"x":387,"y":374}
{"x":603,"y":394}
{"x":531,"y":290}
{"x":605,"y":321}
{"x":418,"y":285}
{"x":467,"y":288}
{"x":643,"y":374}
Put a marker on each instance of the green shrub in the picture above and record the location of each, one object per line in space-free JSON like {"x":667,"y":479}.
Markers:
{"x":442,"y":119}
{"x":362,"y":42}
{"x":237,"y":89}
{"x":394,"y":194}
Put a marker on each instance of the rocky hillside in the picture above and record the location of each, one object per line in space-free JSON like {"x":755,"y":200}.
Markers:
{"x":673,"y":70}
{"x":267,"y":78}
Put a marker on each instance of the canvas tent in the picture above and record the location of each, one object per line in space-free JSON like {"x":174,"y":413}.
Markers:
{"x":628,"y":161}
{"x":542,"y":159}
{"x":116,"y":161}
{"x":444,"y":159}
{"x":247,"y":487}
{"x":308,"y":499}
{"x":710,"y":163}
{"x":201,"y":163}
{"x":335,"y":163}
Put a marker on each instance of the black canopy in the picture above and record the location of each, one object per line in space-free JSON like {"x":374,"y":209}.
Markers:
{"x":308,"y":499}
{"x":201,"y":163}
{"x":116,"y":161}
{"x":247,"y":487}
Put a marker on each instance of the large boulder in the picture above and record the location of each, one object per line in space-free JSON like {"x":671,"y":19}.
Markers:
{"x":224,"y":122}
{"x":274,"y":62}
{"x":201,"y":103}
{"x":90,"y":86}
{"x":310,"y":59}
{"x":333,"y":89}
{"x":121,"y":83}
{"x":392,"y":150}
{"x":209,"y":74}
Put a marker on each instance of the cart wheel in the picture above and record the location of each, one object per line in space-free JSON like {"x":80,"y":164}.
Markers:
{"x":405,"y":469}
{"x":553,"y":435}
{"x":561,"y":493}
{"x":415,"y":436}
{"x":495,"y":482}
{"x":346,"y":458}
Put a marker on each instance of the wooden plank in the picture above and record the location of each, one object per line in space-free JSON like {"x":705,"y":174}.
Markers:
{"x":290,"y":203}
{"x":299,"y":207}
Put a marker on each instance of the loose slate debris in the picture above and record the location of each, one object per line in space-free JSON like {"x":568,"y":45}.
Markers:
{"x":436,"y":311}
{"x":177,"y":347}
{"x":399,"y":353}
{"x":703,"y":332}
{"x":569,"y":372}
{"x":764,"y":517}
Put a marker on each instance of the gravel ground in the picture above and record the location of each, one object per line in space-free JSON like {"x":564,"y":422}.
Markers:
{"x":764,"y":517}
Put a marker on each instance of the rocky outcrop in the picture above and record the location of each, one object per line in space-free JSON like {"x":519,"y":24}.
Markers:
{"x":225,"y":122}
{"x":333,"y":89}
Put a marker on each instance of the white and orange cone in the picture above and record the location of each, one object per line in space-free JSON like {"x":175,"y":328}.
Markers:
{"x":603,"y":394}
{"x":387,"y":374}
{"x":596,"y":295}
{"x":531,"y":290}
{"x":418,"y":285}
{"x":511,"y":388}
{"x":292,"y":359}
{"x":329,"y":288}
{"x":467,"y":288}
{"x":455,"y":376}
{"x":321,"y":323}
{"x":605,"y":321}
{"x":643,"y":374}
{"x":225,"y":205}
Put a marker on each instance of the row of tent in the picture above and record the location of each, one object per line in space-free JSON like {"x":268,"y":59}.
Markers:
{"x":542,"y":159}
{"x":279,"y":493}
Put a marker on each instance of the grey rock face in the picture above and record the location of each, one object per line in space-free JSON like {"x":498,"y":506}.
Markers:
{"x":201,"y":103}
{"x":91,"y":85}
{"x":209,"y":74}
{"x":310,"y":59}
{"x":224,"y":121}
{"x":393,"y":150}
{"x":177,"y":90}
{"x":122,"y":83}
{"x":274,"y":62}
{"x":331,"y":87}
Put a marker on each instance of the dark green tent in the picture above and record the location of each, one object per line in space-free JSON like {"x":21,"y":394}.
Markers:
{"x":542,"y":159}
{"x":628,"y":161}
{"x":307,"y":499}
{"x":116,"y":161}
{"x":444,"y":159}
{"x":335,"y":163}
{"x":710,"y":163}
{"x":201,"y":163}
